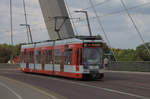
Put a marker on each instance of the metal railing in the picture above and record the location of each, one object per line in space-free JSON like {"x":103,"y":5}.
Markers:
{"x":130,"y":66}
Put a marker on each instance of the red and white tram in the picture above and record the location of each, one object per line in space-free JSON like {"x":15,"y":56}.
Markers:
{"x":79,"y":57}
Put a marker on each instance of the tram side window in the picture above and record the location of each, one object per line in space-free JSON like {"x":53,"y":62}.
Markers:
{"x":81,"y":56}
{"x":46,"y":57}
{"x":22,"y":57}
{"x":58,"y":55}
{"x":68,"y":56}
{"x":26,"y":57}
{"x":50,"y":56}
{"x":38,"y":57}
{"x":77,"y":55}
{"x":31,"y":57}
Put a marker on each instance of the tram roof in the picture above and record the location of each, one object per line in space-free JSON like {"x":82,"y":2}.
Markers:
{"x":77,"y":39}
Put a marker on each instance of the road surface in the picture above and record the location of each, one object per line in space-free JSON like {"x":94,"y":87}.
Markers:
{"x":115,"y":85}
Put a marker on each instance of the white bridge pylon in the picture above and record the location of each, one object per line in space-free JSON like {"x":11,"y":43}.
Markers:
{"x":56,"y":19}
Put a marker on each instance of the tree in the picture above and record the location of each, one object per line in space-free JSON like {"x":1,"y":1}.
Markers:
{"x":143,"y":53}
{"x":6,"y":51}
{"x":106,"y":49}
{"x":128,"y":55}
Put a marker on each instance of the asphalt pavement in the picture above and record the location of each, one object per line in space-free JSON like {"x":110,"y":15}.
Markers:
{"x":12,"y":89}
{"x":115,"y":85}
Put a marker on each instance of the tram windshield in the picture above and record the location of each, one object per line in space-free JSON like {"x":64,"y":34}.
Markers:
{"x":92,"y":56}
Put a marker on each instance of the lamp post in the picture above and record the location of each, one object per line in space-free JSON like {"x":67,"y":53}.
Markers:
{"x":28,"y":26}
{"x":11,"y":30}
{"x":26,"y":21}
{"x":11,"y":22}
{"x":87,"y":18}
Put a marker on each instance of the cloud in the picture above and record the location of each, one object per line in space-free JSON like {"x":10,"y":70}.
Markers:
{"x":35,"y":19}
{"x":117,"y":26}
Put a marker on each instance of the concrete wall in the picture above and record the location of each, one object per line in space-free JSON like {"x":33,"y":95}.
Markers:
{"x":119,"y":66}
{"x":52,"y":9}
{"x":130,"y":66}
{"x":9,"y":66}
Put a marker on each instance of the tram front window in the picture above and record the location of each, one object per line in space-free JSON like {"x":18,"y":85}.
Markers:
{"x":92,"y":56}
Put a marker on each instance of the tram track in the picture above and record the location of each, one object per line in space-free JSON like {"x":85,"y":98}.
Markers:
{"x":111,"y":87}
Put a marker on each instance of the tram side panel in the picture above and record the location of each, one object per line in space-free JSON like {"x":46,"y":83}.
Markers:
{"x":27,"y":59}
{"x":58,"y":51}
{"x":71,"y":69}
{"x":38,"y":56}
{"x":30,"y":59}
{"x":64,"y":60}
{"x":22,"y":63}
{"x":43,"y":60}
{"x":47,"y":61}
{"x":61,"y":60}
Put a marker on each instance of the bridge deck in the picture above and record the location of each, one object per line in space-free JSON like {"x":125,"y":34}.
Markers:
{"x":115,"y":85}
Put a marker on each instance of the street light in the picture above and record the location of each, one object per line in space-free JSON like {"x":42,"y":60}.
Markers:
{"x":11,"y":22}
{"x":11,"y":29}
{"x":27,"y":25}
{"x":87,"y":18}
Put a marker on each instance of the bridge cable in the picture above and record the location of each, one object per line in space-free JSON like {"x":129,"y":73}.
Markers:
{"x":11,"y":30}
{"x":135,"y":26}
{"x":98,"y":4}
{"x":102,"y":27}
{"x":73,"y":23}
{"x":115,"y":12}
{"x":26,"y":21}
{"x":11,"y":23}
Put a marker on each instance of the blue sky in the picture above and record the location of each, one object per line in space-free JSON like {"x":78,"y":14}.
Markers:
{"x":118,"y":26}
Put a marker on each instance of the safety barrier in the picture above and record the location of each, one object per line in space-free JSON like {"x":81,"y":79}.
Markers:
{"x":9,"y":66}
{"x":129,"y":66}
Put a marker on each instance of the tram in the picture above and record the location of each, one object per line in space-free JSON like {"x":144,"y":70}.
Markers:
{"x":78,"y":57}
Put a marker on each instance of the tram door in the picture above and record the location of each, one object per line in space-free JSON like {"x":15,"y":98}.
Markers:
{"x":77,"y":57}
{"x":27,"y":58}
{"x":62,"y":62}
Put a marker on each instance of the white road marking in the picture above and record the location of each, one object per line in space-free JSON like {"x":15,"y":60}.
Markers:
{"x":12,"y":91}
{"x":141,"y":87}
{"x":105,"y":89}
{"x":41,"y":91}
{"x":116,"y":91}
{"x":101,"y":88}
{"x":30,"y":86}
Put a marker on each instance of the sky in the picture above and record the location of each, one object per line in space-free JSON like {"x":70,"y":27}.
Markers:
{"x":118,"y":26}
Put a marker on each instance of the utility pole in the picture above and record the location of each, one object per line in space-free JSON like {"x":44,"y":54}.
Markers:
{"x":11,"y":30}
{"x":87,"y":18}
{"x":29,"y":29}
{"x":26,"y":21}
{"x":11,"y":23}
